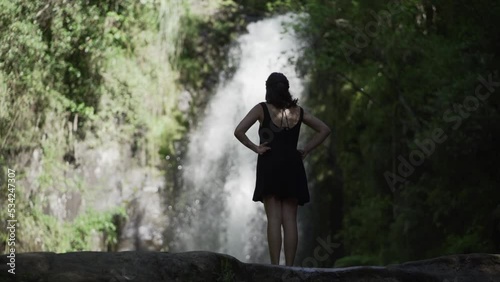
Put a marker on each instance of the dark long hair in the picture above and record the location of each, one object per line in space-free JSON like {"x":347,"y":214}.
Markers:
{"x":277,"y":92}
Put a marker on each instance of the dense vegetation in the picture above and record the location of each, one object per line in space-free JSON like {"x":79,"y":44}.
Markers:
{"x":409,"y":88}
{"x":78,"y":73}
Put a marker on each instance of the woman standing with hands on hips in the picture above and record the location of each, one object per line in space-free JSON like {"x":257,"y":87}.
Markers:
{"x":281,"y":182}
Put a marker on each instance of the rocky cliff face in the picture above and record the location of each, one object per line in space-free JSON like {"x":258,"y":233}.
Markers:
{"x":205,"y":266}
{"x":108,"y":176}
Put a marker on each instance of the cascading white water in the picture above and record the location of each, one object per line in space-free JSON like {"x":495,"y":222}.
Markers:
{"x":219,"y":172}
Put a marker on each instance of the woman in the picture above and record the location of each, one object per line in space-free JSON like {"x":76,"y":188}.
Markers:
{"x":281,"y":182}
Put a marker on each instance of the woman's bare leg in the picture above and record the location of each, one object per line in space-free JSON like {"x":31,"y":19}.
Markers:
{"x":289,"y":215}
{"x":272,"y":206}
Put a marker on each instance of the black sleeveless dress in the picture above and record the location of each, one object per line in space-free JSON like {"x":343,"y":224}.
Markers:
{"x":280,"y":171}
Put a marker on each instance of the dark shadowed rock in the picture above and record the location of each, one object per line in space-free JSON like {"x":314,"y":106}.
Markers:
{"x":140,"y":266}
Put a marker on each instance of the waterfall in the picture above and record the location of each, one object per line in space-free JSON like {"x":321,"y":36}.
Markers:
{"x":218,"y":171}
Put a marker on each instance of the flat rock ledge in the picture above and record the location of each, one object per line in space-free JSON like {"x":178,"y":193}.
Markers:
{"x":141,"y":266}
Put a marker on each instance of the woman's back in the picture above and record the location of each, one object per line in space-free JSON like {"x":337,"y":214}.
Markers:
{"x":280,"y":170}
{"x":278,"y":115}
{"x":280,"y":129}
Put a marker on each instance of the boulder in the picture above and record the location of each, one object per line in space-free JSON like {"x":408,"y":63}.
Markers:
{"x":148,"y":266}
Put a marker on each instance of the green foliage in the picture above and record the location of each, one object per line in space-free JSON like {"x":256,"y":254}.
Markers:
{"x":80,"y":73}
{"x":355,"y":260}
{"x":48,"y":233}
{"x":368,"y":223}
{"x":36,"y":230}
{"x":51,"y":62}
{"x":392,"y":73}
{"x":204,"y":49}
{"x":466,"y":243}
{"x":90,"y":222}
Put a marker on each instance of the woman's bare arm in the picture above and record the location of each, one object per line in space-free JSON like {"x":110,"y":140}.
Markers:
{"x":253,"y":115}
{"x":322,"y":131}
